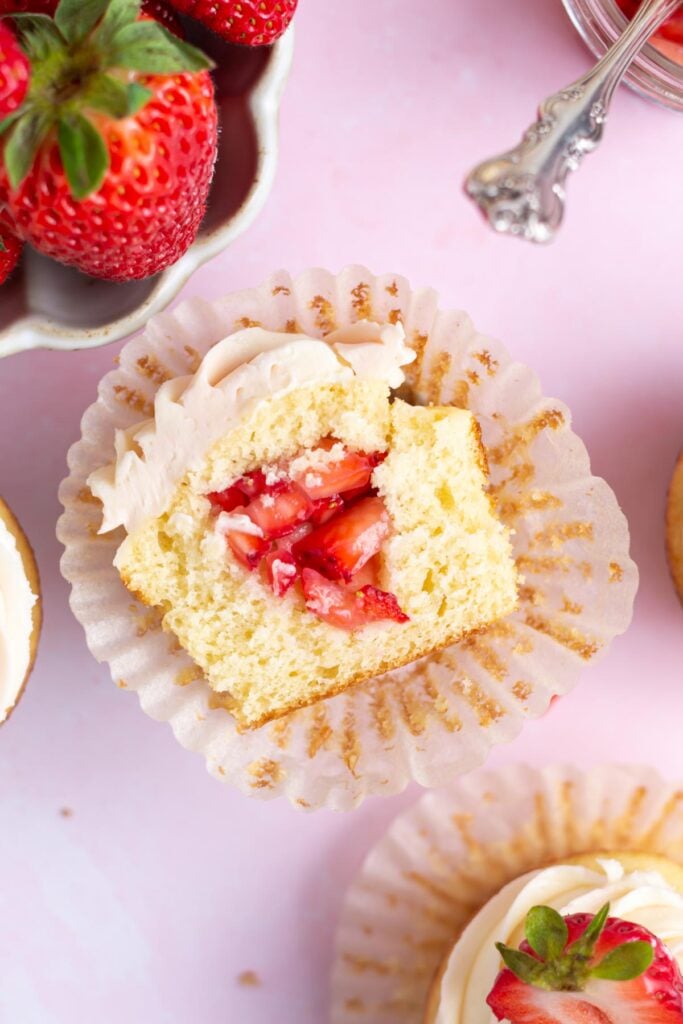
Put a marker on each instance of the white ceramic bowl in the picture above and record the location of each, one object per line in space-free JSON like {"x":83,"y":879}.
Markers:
{"x":47,"y":305}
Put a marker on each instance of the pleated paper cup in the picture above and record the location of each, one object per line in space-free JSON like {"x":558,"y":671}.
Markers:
{"x":439,"y":716}
{"x":452,"y":851}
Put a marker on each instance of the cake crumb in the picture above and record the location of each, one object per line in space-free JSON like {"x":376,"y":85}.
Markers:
{"x":249,"y":979}
{"x":66,"y":812}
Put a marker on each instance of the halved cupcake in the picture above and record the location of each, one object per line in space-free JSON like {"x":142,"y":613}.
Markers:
{"x":20,"y":611}
{"x":301,"y":527}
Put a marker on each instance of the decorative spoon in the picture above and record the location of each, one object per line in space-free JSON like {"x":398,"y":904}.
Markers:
{"x":522,"y":192}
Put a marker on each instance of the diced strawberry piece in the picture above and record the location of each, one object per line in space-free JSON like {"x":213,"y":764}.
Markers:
{"x":282,"y":571}
{"x":368,"y":576}
{"x":287,"y":542}
{"x":345,"y":608}
{"x":252,"y":484}
{"x":247,"y":549}
{"x":340,"y":548}
{"x":359,"y":492}
{"x":279,"y":512}
{"x":325,"y":508}
{"x":227,"y":500}
{"x":351,"y":471}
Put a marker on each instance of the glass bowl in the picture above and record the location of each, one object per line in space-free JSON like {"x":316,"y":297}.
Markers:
{"x":657,"y":73}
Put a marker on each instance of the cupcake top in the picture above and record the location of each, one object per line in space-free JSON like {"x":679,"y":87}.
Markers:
{"x":17,"y":600}
{"x":643,"y":897}
{"x":244,"y":369}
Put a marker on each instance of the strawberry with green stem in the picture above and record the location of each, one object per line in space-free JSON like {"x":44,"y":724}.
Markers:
{"x":10,"y":253}
{"x":585,"y":969}
{"x":14,"y":72}
{"x":107,"y":164}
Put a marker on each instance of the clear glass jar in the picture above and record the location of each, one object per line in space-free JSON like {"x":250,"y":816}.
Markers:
{"x":655,"y":73}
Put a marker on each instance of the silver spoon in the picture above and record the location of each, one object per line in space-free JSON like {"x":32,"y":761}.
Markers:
{"x":522,"y":192}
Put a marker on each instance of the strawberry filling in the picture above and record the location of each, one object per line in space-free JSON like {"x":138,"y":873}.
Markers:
{"x":317,"y":520}
{"x":672,"y":29}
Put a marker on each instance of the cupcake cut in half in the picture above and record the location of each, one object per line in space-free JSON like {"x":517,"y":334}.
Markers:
{"x":20,"y":611}
{"x":300,"y":526}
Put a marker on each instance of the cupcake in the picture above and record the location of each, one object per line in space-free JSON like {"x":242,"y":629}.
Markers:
{"x":674,"y":527}
{"x":337,"y":538}
{"x":301,"y":528}
{"x":443,"y":926}
{"x":20,"y":611}
{"x":517,"y":960}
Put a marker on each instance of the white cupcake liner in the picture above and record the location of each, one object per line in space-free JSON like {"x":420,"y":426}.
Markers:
{"x":444,"y":858}
{"x":437,"y":717}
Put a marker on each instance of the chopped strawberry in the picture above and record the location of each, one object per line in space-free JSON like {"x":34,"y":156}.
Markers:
{"x":287,"y":542}
{"x":586,"y":969}
{"x":368,"y":576}
{"x":252,"y":484}
{"x":340,"y":548}
{"x":345,"y":608}
{"x":278,"y":512}
{"x":227,"y":500}
{"x":282,"y":570}
{"x":325,"y":508}
{"x":247,"y":548}
{"x":351,"y":471}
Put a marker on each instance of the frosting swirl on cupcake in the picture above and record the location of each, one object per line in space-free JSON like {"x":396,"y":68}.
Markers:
{"x":16,"y":621}
{"x":643,"y":897}
{"x":244,"y":369}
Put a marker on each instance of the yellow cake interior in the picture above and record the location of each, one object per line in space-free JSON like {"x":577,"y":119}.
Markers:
{"x":448,"y":559}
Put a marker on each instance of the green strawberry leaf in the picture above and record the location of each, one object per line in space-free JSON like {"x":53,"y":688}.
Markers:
{"x":76,"y":19}
{"x":119,"y":14}
{"x":150,"y":48}
{"x":113,"y":97}
{"x":586,"y":943}
{"x":546,"y":932}
{"x":38,"y":35}
{"x":625,"y":962}
{"x":138,"y":97}
{"x":525,"y":967}
{"x":22,"y":145}
{"x":84,"y":155}
{"x":8,"y":121}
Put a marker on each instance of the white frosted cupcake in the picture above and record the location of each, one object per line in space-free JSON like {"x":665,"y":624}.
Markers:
{"x":432,"y":926}
{"x":20,"y":611}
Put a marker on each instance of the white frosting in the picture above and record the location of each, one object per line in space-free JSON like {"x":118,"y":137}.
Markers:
{"x":16,"y":622}
{"x":643,"y":897}
{"x":242,"y":370}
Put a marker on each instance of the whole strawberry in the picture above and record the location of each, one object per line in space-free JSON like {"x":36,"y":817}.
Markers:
{"x":107,"y":164}
{"x":10,"y":253}
{"x":247,"y":22}
{"x":586,"y":969}
{"x":156,"y":9}
{"x":14,"y":73}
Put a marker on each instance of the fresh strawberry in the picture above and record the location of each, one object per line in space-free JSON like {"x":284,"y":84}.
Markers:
{"x":348,"y":609}
{"x":325,"y":508}
{"x":279,"y":511}
{"x":107,"y":164}
{"x":156,"y":9}
{"x":15,"y":72}
{"x":671,"y":29}
{"x":247,"y":22}
{"x":340,"y":548}
{"x":586,"y":969}
{"x":247,"y":548}
{"x":10,"y":253}
{"x":252,"y":484}
{"x":227,"y":500}
{"x":282,"y":570}
{"x":351,"y":471}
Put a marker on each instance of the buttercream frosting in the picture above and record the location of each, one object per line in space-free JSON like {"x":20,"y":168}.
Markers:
{"x":643,"y":897}
{"x":192,"y":413}
{"x":16,"y":621}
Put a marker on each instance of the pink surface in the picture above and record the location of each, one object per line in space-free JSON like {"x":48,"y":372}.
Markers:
{"x":160,"y":887}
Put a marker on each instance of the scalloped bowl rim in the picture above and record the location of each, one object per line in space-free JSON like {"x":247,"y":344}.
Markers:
{"x":31,"y":331}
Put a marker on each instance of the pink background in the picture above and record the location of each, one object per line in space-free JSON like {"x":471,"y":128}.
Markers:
{"x":161,"y":886}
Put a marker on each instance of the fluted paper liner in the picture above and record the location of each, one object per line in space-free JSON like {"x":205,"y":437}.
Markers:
{"x":453,"y":850}
{"x":439,"y":716}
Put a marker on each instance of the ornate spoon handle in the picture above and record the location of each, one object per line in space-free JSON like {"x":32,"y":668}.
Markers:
{"x":522,"y":192}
